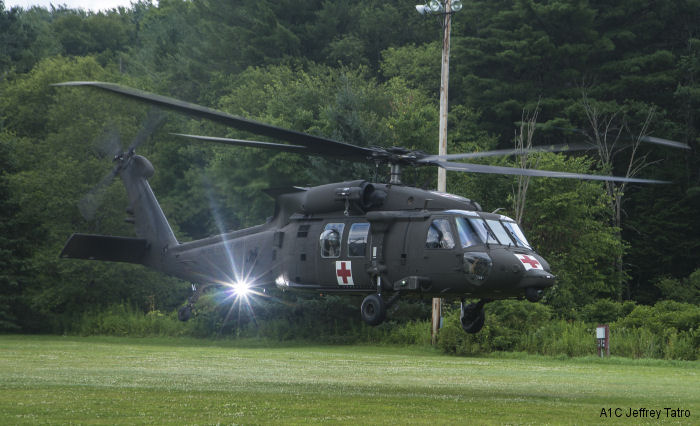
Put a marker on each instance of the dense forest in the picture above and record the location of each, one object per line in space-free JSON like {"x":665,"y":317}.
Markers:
{"x":365,"y":72}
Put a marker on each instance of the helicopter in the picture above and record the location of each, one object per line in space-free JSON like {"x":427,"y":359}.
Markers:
{"x":378,"y":240}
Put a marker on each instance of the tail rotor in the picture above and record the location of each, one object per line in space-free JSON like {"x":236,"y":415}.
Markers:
{"x":109,"y":145}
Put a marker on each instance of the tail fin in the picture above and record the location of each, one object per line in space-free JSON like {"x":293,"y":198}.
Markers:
{"x":154,"y":234}
{"x":149,"y":219}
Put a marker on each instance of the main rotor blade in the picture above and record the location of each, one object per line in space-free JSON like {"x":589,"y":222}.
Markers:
{"x":648,"y":139}
{"x":243,"y":142}
{"x":315,"y":144}
{"x":513,"y":151}
{"x":500,"y":170}
{"x":664,"y":142}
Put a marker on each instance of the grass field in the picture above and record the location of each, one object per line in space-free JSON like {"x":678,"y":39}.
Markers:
{"x":115,"y":380}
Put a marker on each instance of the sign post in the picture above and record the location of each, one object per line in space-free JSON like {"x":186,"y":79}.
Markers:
{"x":602,"y":334}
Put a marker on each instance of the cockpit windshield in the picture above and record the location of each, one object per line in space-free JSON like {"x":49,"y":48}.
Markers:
{"x":500,"y":231}
{"x":473,"y":229}
{"x":482,"y":230}
{"x":516,"y":234}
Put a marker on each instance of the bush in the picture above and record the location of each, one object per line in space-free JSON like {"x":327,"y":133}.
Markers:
{"x":560,"y":337}
{"x":125,"y":320}
{"x":605,"y":311}
{"x":410,"y":333}
{"x":663,"y":315}
{"x":507,"y":321}
{"x":686,"y":290}
{"x":667,"y":330}
{"x":635,"y":343}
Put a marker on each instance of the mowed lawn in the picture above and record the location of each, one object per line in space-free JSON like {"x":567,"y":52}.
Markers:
{"x":113,"y":380}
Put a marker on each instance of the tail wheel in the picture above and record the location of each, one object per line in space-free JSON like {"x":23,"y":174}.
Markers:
{"x":184,"y":313}
{"x":373,"y":309}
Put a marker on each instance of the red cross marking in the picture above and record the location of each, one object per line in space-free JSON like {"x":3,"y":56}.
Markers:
{"x":343,"y":273}
{"x":530,"y":261}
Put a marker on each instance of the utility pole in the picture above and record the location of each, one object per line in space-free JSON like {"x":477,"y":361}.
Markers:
{"x":444,"y":9}
{"x":444,"y":86}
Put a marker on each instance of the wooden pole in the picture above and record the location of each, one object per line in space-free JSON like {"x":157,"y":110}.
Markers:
{"x":444,"y":83}
{"x":442,"y":142}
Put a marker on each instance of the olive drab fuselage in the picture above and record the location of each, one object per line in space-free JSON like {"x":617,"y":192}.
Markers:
{"x":357,"y":237}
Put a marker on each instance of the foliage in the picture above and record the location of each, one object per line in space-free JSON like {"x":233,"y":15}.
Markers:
{"x":567,"y":221}
{"x":126,"y":320}
{"x":684,"y":290}
{"x":367,"y":73}
{"x":667,"y":330}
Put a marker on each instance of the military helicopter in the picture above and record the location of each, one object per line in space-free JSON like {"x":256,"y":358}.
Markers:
{"x":380,"y":240}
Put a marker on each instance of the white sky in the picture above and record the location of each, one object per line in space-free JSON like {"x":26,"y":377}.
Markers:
{"x":94,"y":5}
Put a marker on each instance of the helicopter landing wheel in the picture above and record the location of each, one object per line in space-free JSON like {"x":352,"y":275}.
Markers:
{"x":533,"y":294}
{"x":373,"y":309}
{"x":472,"y":317}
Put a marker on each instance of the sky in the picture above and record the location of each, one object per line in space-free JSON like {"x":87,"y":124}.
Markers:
{"x":94,"y":5}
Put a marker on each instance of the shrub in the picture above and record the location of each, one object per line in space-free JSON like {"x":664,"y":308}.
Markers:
{"x":560,"y":337}
{"x":605,"y":311}
{"x":663,"y":315}
{"x":635,"y":343}
{"x":125,"y":320}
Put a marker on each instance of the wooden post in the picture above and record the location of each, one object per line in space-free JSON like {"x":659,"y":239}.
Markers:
{"x":437,"y":312}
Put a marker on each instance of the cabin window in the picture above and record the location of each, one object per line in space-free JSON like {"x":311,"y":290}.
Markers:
{"x":467,"y":234}
{"x":440,"y":235}
{"x":330,"y":240}
{"x":357,"y":239}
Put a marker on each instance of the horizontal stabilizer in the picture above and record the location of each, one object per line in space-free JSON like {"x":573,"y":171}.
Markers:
{"x":105,"y":247}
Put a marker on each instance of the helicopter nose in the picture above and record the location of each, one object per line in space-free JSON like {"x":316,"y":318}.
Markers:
{"x":534,"y":281}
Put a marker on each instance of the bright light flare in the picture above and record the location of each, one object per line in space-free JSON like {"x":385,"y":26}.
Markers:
{"x":242,"y":289}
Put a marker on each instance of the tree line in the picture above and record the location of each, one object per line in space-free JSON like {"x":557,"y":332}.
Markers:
{"x":362,"y":72}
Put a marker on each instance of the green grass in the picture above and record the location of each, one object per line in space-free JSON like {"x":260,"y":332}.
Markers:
{"x":123,"y":380}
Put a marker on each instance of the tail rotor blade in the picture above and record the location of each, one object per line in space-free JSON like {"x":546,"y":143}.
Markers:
{"x":154,"y":121}
{"x":91,"y":201}
{"x":108,"y":144}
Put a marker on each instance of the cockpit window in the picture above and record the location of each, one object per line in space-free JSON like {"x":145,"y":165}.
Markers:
{"x":516,"y":234}
{"x":440,"y":235}
{"x":330,"y":240}
{"x":467,"y":235}
{"x":500,"y":231}
{"x":484,"y":232}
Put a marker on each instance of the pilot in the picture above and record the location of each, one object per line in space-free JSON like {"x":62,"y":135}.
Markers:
{"x":330,"y":243}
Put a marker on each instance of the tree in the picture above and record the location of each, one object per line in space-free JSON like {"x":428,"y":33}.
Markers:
{"x":16,"y":37}
{"x":523,"y":141}
{"x":50,"y":168}
{"x":609,"y":127}
{"x":566,"y":222}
